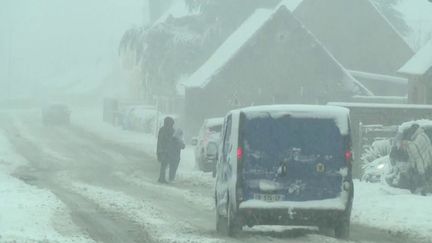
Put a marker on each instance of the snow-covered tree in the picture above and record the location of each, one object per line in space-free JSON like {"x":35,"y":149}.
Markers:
{"x":176,"y":47}
{"x":378,"y":149}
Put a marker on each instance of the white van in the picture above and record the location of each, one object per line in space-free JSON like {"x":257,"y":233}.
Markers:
{"x":285,"y":165}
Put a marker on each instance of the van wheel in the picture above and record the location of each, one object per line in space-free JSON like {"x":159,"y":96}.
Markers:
{"x":234,"y":224}
{"x":214,"y":172}
{"x":326,"y":230}
{"x":221,"y":224}
{"x":342,"y":228}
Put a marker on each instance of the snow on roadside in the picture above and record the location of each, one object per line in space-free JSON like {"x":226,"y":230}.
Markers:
{"x":91,"y":121}
{"x":160,"y":226}
{"x":193,"y":197}
{"x":397,"y":211}
{"x":27,"y":213}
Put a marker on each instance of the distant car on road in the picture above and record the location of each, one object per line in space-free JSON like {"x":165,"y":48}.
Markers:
{"x":207,"y":144}
{"x":56,"y":114}
{"x":285,"y":165}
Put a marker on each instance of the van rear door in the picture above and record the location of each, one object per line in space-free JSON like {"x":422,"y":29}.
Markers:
{"x":291,"y":158}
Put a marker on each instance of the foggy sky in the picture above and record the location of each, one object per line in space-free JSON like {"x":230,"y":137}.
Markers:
{"x":48,"y":41}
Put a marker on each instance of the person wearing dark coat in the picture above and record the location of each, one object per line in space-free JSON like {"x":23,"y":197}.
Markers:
{"x":163,"y":150}
{"x":175,"y":147}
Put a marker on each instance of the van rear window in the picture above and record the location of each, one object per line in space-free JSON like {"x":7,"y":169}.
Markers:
{"x":279,"y":137}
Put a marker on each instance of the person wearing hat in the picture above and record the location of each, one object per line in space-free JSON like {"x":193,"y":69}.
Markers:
{"x":165,"y":137}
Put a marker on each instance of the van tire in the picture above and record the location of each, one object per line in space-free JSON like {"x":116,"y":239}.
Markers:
{"x":221,"y":224}
{"x":233,"y":222}
{"x":342,"y":228}
{"x":214,"y":172}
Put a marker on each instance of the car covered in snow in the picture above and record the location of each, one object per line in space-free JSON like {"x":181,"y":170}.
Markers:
{"x":207,"y":144}
{"x":285,"y":165}
{"x":56,"y":114}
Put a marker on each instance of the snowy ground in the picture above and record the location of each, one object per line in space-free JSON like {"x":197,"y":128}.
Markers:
{"x":27,"y":213}
{"x":392,"y":209}
{"x":127,"y":187}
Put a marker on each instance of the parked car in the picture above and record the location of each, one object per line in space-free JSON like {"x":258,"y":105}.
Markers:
{"x":207,"y":144}
{"x":285,"y":165}
{"x":56,"y":114}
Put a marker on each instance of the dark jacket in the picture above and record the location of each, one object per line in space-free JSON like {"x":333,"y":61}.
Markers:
{"x":165,"y":137}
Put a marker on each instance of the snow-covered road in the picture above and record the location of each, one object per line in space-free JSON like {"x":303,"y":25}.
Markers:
{"x":92,"y":182}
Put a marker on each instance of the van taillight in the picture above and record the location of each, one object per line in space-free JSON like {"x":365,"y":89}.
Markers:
{"x":239,"y":153}
{"x":348,"y":156}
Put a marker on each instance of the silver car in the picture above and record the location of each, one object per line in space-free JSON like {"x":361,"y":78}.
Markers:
{"x":207,"y":144}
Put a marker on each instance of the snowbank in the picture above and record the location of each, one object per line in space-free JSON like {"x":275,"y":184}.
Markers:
{"x":27,"y":213}
{"x":394,"y":210}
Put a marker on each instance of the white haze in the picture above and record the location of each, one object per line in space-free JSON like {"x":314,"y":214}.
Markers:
{"x":59,"y":43}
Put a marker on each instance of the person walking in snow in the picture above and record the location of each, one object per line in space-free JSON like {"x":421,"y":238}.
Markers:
{"x":165,"y":137}
{"x":175,"y":147}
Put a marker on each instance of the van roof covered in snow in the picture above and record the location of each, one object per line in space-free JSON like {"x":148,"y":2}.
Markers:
{"x":215,"y":121}
{"x":338,"y":114}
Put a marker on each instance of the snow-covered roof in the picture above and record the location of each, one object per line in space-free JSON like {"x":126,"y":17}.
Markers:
{"x":369,"y":43}
{"x":237,"y":40}
{"x":296,"y":108}
{"x":337,"y":113}
{"x":390,"y":24}
{"x":380,"y":99}
{"x":229,"y":48}
{"x":290,"y":4}
{"x":378,"y":77}
{"x":214,"y":121}
{"x":420,"y":63}
{"x":378,"y":105}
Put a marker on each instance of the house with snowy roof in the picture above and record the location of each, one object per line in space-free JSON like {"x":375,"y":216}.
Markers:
{"x":383,"y":86}
{"x":360,"y":37}
{"x":419,"y":72}
{"x":271,"y":58}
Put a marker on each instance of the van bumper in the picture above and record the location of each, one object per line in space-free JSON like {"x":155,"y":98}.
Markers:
{"x":292,"y":216}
